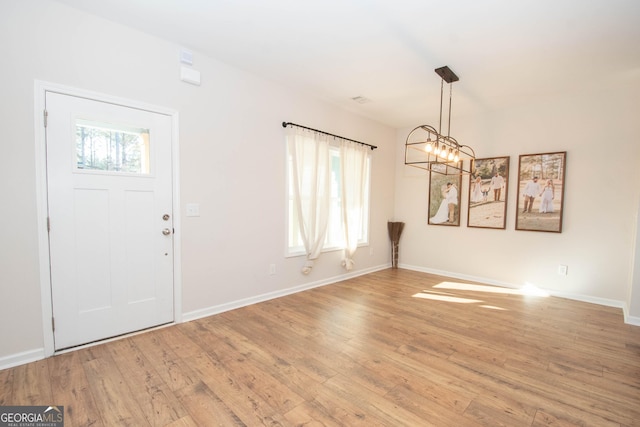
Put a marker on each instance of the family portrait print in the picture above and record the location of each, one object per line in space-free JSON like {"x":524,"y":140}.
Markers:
{"x":541,"y":181}
{"x":444,"y":198}
{"x":488,"y":193}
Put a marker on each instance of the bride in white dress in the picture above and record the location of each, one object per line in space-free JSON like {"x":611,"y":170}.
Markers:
{"x":548,"y":194}
{"x":451,"y":196}
{"x":476,"y":194}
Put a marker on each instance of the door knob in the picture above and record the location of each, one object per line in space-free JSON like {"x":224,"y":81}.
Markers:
{"x":166,"y":231}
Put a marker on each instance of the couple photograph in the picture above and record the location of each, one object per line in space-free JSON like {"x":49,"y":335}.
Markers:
{"x":444,"y":199}
{"x":540,"y":192}
{"x":488,"y":193}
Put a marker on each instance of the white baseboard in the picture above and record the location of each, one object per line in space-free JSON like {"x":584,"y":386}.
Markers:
{"x":221,"y":308}
{"x":631,"y":320}
{"x":21,"y":358}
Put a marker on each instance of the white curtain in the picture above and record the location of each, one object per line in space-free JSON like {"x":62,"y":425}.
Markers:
{"x":353,"y":167}
{"x":311,"y":180}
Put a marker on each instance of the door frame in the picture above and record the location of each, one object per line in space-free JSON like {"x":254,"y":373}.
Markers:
{"x":40,"y":90}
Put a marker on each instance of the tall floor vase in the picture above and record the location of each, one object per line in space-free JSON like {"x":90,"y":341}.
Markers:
{"x":395,"y":231}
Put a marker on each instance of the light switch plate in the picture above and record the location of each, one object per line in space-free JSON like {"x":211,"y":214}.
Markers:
{"x":193,"y":209}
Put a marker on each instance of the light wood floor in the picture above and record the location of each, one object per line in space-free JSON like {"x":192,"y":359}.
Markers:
{"x":392,"y":348}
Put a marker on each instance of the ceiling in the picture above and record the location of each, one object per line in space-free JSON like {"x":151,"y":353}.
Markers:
{"x":505,"y":52}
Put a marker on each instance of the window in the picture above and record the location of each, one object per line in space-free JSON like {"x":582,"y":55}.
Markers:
{"x":110,"y":148}
{"x":335,"y":231}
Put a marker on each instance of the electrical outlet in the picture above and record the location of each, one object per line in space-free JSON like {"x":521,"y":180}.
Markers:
{"x":562,"y":270}
{"x":272,"y":269}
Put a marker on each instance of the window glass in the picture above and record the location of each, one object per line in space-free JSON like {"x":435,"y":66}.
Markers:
{"x":335,"y":230}
{"x":111,"y":148}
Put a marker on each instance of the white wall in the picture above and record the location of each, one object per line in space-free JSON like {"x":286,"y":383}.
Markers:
{"x":231,"y":159}
{"x":634,"y":292}
{"x":600,"y":197}
{"x":232,"y":163}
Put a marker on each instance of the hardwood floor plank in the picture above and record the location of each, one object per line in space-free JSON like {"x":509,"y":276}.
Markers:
{"x":6,"y":386}
{"x":551,"y":417}
{"x":215,"y":364}
{"x":372,"y":404}
{"x":311,"y":414}
{"x":625,"y":394}
{"x":389,"y":348}
{"x":248,"y":405}
{"x":335,"y":404}
{"x":206,"y":407}
{"x":156,"y":400}
{"x":168,"y":364}
{"x":545,"y":388}
{"x":117,"y":404}
{"x":543,"y":419}
{"x":183,"y":422}
{"x":174,"y":338}
{"x":418,"y":377}
{"x":258,"y":378}
{"x":322,"y":355}
{"x":427,"y":403}
{"x":494,"y":410}
{"x":31,"y":385}
{"x":282,"y":369}
{"x":70,"y":387}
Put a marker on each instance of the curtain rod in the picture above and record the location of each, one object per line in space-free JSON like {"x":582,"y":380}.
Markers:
{"x":285,"y":124}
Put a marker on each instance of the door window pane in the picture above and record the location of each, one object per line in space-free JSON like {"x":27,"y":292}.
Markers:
{"x":111,"y":148}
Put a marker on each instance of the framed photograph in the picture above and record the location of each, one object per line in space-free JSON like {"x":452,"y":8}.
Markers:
{"x":541,"y":180}
{"x":444,"y":197}
{"x":487,"y":206}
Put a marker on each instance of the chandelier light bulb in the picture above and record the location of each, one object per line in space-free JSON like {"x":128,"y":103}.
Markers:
{"x":436,"y":150}
{"x":428,"y":148}
{"x":456,"y":157}
{"x":443,"y":153}
{"x":450,"y":155}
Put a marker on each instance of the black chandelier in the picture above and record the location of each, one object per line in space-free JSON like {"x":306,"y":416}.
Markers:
{"x":429,"y":149}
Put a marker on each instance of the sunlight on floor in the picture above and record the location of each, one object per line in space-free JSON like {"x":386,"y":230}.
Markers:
{"x":493,"y":307}
{"x":531,"y":289}
{"x":447,"y":298}
{"x":438,"y":293}
{"x":527,"y":289}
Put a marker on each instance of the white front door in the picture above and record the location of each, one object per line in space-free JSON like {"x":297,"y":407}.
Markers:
{"x":109,"y":183}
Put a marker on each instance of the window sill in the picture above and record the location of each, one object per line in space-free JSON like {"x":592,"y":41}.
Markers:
{"x":301,"y":253}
